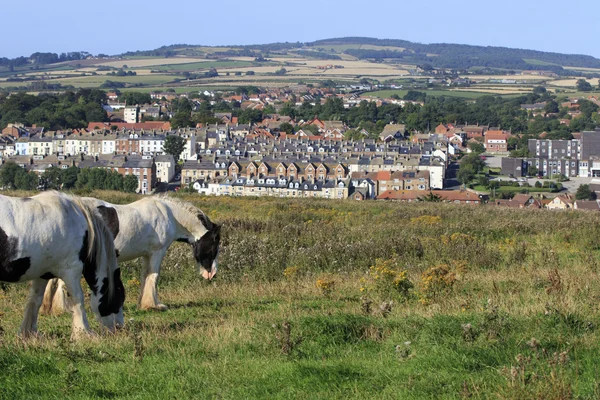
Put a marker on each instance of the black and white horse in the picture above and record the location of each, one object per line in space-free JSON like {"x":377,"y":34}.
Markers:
{"x":145,"y":229}
{"x":55,"y":235}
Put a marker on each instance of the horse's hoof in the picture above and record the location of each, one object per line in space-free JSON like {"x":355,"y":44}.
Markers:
{"x":157,"y":307}
{"x":83,"y":334}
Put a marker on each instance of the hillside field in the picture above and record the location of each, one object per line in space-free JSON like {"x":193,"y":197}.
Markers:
{"x":485,"y":303}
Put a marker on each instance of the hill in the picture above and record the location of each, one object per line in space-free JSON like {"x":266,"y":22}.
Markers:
{"x":457,"y":56}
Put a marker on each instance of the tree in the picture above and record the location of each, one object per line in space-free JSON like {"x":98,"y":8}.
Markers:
{"x":8,"y":173}
{"x":583,"y":85}
{"x":69,"y":177}
{"x":585,"y":193}
{"x":174,"y":145}
{"x":130,"y":184}
{"x":532,"y":170}
{"x":476,"y":147}
{"x":25,"y":180}
{"x":430,"y":197}
{"x":466,"y":173}
{"x":551,"y":106}
{"x":286,"y":127}
{"x":181,"y":120}
{"x":51,"y":179}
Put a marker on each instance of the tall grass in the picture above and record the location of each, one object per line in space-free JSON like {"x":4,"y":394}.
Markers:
{"x":519,"y":318}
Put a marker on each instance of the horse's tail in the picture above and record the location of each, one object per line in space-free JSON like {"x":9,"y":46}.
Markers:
{"x":49,"y":296}
{"x":100,"y":245}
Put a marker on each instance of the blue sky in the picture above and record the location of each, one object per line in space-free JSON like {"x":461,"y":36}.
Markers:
{"x":114,"y":27}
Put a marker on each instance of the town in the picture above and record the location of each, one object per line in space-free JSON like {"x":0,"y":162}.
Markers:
{"x":278,"y":153}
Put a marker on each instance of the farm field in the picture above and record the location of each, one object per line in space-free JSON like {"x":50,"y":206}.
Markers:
{"x":487,"y":303}
{"x":149,"y":62}
{"x":202,"y":65}
{"x":467,"y":93}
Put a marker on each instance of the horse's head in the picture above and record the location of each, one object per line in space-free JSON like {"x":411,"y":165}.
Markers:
{"x":206,"y":249}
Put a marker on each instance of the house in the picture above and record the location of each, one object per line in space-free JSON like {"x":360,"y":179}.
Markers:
{"x":165,"y":167}
{"x":447,"y":196}
{"x":496,"y":142}
{"x":520,"y":201}
{"x":131,"y":114}
{"x":392,"y":131}
{"x":562,"y":202}
{"x":20,"y":130}
{"x":591,"y":205}
{"x":194,"y":170}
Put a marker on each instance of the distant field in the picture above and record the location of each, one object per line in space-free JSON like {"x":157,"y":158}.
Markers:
{"x":572,"y":82}
{"x":583,"y":69}
{"x":510,"y":77}
{"x":201,"y":65}
{"x":533,"y":61}
{"x":148,"y":62}
{"x":451,"y":93}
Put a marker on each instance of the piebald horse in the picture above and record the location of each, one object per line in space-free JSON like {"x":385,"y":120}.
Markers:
{"x":55,"y":235}
{"x":146,"y":229}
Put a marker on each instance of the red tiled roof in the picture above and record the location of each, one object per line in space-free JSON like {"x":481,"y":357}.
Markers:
{"x":140,"y":125}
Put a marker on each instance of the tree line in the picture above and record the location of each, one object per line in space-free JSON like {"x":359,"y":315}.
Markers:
{"x":13,"y":176}
{"x":71,"y":109}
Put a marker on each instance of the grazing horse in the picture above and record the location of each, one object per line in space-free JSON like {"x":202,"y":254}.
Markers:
{"x":146,"y":229}
{"x":56,"y":235}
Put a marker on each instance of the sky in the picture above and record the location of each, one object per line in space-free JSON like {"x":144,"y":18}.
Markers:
{"x":113,"y":27}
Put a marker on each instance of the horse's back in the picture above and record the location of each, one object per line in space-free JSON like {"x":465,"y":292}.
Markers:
{"x":37,"y":233}
{"x":144,"y":226}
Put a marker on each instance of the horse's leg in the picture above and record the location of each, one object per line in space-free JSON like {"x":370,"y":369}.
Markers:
{"x":150,"y":270}
{"x":143,"y":274}
{"x":80,"y":324}
{"x":36,"y":295}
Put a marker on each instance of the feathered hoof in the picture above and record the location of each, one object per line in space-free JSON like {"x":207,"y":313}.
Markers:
{"x":157,"y":307}
{"x":82,"y":334}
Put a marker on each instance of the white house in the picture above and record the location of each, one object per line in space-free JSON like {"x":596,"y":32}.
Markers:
{"x":22,"y":147}
{"x":165,"y":167}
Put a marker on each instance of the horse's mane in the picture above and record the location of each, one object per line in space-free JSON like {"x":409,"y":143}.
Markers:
{"x":194,"y":212}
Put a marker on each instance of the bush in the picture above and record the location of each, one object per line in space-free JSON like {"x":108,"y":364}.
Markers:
{"x":387,"y":279}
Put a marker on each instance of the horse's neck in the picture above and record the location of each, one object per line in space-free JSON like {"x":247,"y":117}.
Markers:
{"x":185,"y":221}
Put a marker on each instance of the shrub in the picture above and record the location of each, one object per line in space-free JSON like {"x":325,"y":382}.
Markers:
{"x":438,"y":280}
{"x":387,"y":279}
{"x":326,"y":284}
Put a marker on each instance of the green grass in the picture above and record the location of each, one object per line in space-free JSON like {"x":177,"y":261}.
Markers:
{"x":533,"y":61}
{"x":515,"y":275}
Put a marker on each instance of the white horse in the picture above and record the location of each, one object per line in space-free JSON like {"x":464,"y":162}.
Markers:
{"x":146,"y":229}
{"x":55,"y":235}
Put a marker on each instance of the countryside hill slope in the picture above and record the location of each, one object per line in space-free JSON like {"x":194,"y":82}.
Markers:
{"x":439,"y":55}
{"x":184,"y":67}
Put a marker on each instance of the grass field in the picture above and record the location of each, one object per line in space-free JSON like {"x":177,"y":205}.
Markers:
{"x":487,"y":303}
{"x":533,"y":61}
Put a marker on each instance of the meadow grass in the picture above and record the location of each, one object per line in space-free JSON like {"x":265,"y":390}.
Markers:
{"x":501,"y":304}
